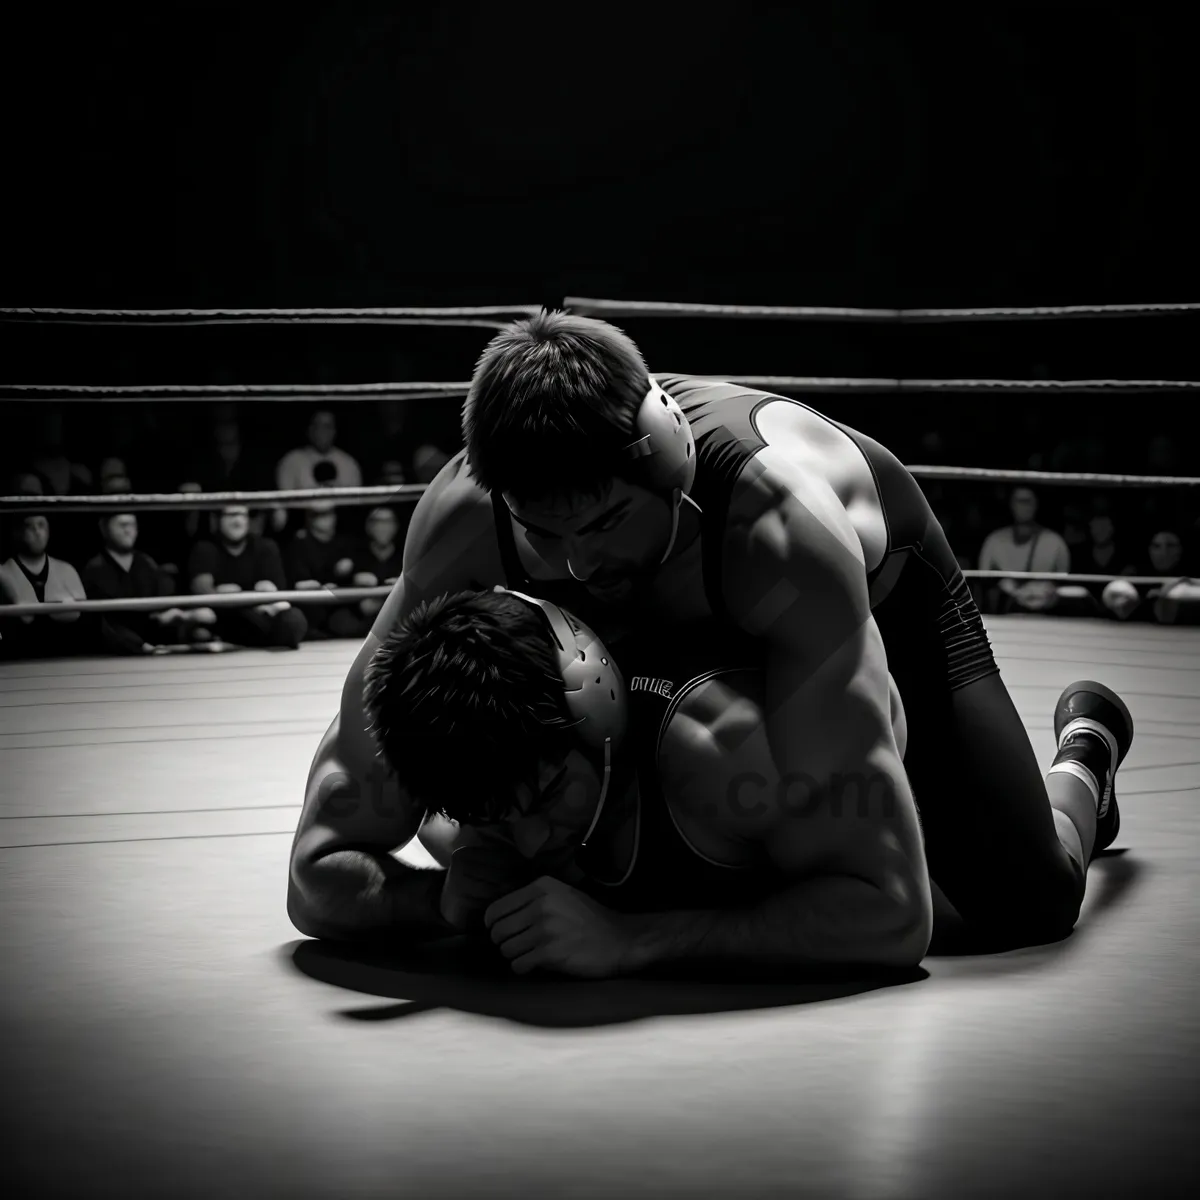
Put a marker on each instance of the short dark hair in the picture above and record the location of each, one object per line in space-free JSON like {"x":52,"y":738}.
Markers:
{"x":551,"y":405}
{"x":465,"y":696}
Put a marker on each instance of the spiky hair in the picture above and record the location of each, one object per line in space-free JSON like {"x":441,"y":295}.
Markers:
{"x":465,"y":696}
{"x":551,"y":406}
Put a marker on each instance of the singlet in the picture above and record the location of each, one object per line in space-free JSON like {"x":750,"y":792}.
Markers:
{"x":661,"y":670}
{"x":723,"y":417}
{"x":723,"y":421}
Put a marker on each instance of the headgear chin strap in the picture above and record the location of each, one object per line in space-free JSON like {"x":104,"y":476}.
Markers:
{"x":593,"y":688}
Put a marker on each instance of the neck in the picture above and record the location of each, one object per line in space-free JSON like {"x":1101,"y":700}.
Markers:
{"x":234,"y":547}
{"x":124,"y":557}
{"x":382,"y":549}
{"x":33,"y":562}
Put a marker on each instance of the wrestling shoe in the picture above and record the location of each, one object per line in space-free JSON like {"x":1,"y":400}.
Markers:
{"x":1094,"y":730}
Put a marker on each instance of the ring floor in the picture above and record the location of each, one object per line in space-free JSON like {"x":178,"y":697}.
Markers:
{"x":169,"y":1034}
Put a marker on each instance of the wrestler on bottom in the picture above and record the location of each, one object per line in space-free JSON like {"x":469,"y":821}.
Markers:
{"x":488,"y":708}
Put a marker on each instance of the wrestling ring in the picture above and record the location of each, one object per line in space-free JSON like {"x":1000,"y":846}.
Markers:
{"x":169,"y":1034}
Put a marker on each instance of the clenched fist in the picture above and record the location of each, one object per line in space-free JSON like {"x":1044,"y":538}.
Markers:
{"x":478,"y":875}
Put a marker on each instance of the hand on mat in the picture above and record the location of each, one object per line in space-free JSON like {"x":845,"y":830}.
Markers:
{"x":551,"y":925}
{"x":477,"y":875}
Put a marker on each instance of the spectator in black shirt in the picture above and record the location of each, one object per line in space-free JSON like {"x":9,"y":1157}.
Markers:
{"x":121,"y":572}
{"x":381,"y":558}
{"x":321,"y":558}
{"x":236,"y":560}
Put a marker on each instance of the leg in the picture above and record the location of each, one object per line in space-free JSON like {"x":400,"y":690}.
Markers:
{"x":1008,"y":849}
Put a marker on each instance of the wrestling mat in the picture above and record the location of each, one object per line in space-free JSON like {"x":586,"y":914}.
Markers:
{"x":169,"y":1034}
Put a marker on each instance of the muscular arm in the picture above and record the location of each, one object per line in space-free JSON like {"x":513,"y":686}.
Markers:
{"x":343,"y":882}
{"x":450,"y":546}
{"x":838,"y":819}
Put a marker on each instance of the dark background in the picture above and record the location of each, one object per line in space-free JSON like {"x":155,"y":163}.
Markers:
{"x":812,"y":153}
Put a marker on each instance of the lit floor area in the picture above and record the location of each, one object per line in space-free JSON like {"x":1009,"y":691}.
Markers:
{"x":168,"y":1033}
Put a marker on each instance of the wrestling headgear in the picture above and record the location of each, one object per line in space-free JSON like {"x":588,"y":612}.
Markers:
{"x":594,"y":689}
{"x":663,"y":447}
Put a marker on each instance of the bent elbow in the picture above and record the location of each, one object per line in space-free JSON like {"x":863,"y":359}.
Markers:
{"x":302,"y":913}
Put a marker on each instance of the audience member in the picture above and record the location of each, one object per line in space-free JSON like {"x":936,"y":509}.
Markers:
{"x":380,"y":559}
{"x":236,"y":560}
{"x":114,"y":477}
{"x":122,"y":572}
{"x":60,"y":473}
{"x":1170,"y":603}
{"x":26,"y":483}
{"x":320,"y":558}
{"x":1100,"y":554}
{"x":225,"y":465}
{"x":33,"y":576}
{"x":1024,"y":545}
{"x":1177,"y":602}
{"x":295,"y":468}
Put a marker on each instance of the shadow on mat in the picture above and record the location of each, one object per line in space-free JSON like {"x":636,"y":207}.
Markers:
{"x":455,"y":973}
{"x":1111,"y":875}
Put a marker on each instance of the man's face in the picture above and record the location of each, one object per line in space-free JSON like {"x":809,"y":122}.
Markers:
{"x":1023,"y":505}
{"x":1101,"y":529}
{"x":610,"y":541}
{"x":322,"y":522}
{"x":322,"y":430}
{"x":234,"y":525}
{"x":121,"y":532}
{"x":1165,"y":552}
{"x":35,"y":535}
{"x":555,"y":810}
{"x":381,"y":527}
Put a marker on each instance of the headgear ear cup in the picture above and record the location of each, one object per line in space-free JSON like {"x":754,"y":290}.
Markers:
{"x":664,"y":446}
{"x":593,"y":688}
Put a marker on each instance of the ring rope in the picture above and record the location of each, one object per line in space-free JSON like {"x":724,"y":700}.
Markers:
{"x":253,"y":599}
{"x":273,"y":316}
{"x":281,"y":392}
{"x":909,"y":316}
{"x":584,"y":305}
{"x":205,"y":501}
{"x":349,"y":595}
{"x":233,"y":391}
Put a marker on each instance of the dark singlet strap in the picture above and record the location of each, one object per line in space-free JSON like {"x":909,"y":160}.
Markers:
{"x":514,"y":573}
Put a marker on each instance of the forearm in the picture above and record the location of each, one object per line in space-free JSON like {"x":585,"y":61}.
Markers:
{"x":819,"y":923}
{"x":357,"y":895}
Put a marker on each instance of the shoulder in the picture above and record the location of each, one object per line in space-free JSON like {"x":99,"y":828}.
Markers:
{"x":791,"y":549}
{"x":451,"y":541}
{"x":98,"y":562}
{"x":65,"y":571}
